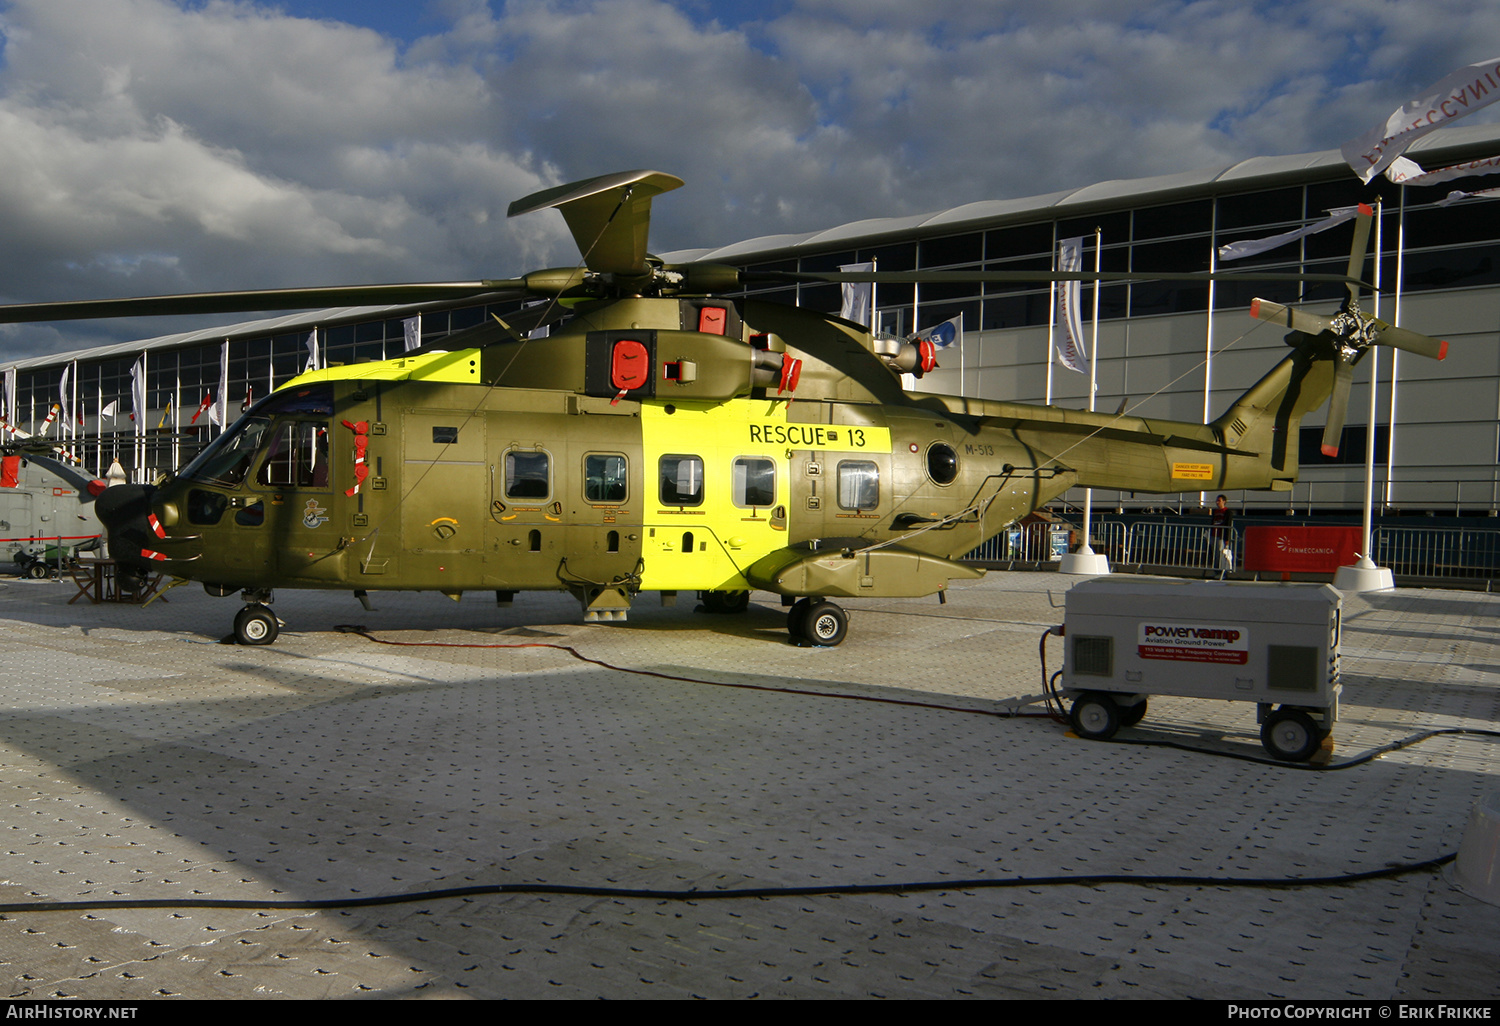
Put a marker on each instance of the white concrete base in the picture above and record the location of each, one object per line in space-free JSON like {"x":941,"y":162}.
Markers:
{"x":1363,"y":576}
{"x":1084,"y":562}
{"x":1477,"y":869}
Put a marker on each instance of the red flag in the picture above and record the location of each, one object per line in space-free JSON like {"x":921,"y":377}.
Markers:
{"x":248,"y":399}
{"x":204,"y":405}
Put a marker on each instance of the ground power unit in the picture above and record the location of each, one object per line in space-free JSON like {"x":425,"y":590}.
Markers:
{"x":1276,"y":645}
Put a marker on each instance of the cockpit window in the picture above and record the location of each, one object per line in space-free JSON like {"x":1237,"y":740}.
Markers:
{"x":227,"y":459}
{"x":298,"y":457}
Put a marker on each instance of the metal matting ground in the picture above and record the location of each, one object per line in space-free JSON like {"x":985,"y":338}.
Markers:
{"x":140,"y":757}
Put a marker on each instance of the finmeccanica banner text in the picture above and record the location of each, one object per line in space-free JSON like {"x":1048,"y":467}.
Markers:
{"x":1460,"y":94}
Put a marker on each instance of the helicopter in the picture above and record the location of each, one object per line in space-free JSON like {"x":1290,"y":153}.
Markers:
{"x":665,"y":438}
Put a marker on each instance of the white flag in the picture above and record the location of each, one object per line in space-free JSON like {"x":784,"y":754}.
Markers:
{"x":1456,"y":195}
{"x":1442,"y":103}
{"x":411,"y":328}
{"x":314,"y":362}
{"x":221,"y":408}
{"x":138,"y":394}
{"x":1070,"y":348}
{"x":855,"y":296}
{"x":108,"y":409}
{"x":62,"y":389}
{"x":1252,"y":247}
{"x":1408,"y":172}
{"x":943,"y":335}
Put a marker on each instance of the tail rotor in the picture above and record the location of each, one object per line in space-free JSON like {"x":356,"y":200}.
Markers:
{"x":1348,"y":334}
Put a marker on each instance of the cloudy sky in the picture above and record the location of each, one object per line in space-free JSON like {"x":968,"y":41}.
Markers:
{"x":157,"y":146}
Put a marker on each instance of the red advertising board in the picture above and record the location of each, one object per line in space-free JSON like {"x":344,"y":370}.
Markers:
{"x":1305,"y":550}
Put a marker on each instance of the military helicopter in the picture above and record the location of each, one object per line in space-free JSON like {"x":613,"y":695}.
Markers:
{"x":663,"y":438}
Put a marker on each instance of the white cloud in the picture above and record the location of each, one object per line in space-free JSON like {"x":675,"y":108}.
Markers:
{"x":156,"y":145}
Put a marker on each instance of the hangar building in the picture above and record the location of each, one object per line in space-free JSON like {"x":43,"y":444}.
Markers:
{"x":1165,"y":349}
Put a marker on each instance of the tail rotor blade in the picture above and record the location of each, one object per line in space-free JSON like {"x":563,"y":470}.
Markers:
{"x":1297,"y":320}
{"x":1360,"y":247}
{"x":1338,"y":405}
{"x":1411,"y":341}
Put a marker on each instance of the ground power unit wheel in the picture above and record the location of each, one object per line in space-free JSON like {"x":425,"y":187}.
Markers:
{"x":1291,"y":735}
{"x":1095,"y":716}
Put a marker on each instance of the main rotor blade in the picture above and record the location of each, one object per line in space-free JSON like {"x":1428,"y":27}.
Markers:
{"x":1338,"y":403}
{"x":960,"y":277}
{"x":1359,"y":247}
{"x":1297,"y":320}
{"x":256,"y":300}
{"x":609,"y":216}
{"x":1411,"y":341}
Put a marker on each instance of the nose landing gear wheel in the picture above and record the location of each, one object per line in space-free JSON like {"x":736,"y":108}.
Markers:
{"x":255,"y":625}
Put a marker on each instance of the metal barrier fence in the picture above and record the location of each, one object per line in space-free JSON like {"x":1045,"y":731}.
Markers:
{"x":1455,"y":553}
{"x":1435,"y":553}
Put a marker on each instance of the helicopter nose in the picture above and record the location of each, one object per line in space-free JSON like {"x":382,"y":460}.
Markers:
{"x":125,"y":512}
{"x":118,"y":506}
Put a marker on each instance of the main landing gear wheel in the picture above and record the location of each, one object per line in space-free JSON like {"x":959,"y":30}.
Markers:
{"x":1095,"y":716}
{"x":1291,"y":735}
{"x":255,"y":625}
{"x":38,"y":571}
{"x":796,"y":617}
{"x":825,"y":624}
{"x":726,"y":601}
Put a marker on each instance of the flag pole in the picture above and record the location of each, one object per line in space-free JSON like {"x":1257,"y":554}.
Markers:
{"x":1364,"y":575}
{"x":1086,"y":560}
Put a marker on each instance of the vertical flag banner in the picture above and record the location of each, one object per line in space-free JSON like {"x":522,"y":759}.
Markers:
{"x":10,"y":393}
{"x":62,"y":388}
{"x":314,"y":361}
{"x":411,"y":330}
{"x":1442,"y":103}
{"x":1070,"y":348}
{"x":857,"y":297}
{"x":138,"y":394}
{"x":222,"y":406}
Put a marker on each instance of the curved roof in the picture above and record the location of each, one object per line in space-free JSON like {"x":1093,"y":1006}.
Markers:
{"x":1265,"y":172}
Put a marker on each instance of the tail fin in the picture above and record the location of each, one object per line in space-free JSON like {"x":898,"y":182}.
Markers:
{"x":1265,"y":421}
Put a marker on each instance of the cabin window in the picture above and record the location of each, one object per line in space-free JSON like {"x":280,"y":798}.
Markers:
{"x":444,"y":435}
{"x":754,"y":482}
{"x":681,"y":480}
{"x":528,"y":475}
{"x":298,"y":457}
{"x":942,"y":463}
{"x":859,"y":485}
{"x":604,"y":478}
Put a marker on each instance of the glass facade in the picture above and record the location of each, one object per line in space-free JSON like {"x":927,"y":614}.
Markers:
{"x":1443,"y":248}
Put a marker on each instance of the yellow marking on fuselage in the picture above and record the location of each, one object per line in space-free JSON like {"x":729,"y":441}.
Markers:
{"x":460,"y":366}
{"x":727,"y":539}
